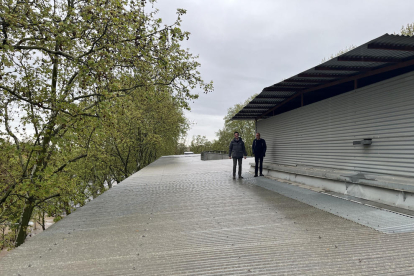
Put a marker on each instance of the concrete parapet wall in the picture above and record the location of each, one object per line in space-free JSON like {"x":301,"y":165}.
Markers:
{"x":395,"y":191}
{"x":213,"y":156}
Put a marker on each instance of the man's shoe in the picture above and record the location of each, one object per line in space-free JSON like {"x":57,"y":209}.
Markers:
{"x":255,"y":175}
{"x":240,"y":177}
{"x":261,"y":174}
{"x":234,"y":177}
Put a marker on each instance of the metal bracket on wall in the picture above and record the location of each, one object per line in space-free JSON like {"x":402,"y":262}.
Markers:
{"x":367,"y":141}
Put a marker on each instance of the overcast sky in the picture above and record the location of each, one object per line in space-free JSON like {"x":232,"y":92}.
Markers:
{"x":246,"y":45}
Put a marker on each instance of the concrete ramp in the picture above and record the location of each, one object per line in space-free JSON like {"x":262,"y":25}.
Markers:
{"x":183,"y":216}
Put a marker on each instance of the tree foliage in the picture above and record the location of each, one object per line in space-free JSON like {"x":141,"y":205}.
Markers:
{"x":200,"y":144}
{"x":407,"y":30}
{"x":133,"y":136}
{"x":246,"y":129}
{"x":343,"y":51}
{"x":85,"y":82}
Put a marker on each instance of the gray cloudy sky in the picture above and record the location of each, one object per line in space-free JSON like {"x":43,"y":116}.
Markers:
{"x":245,"y":45}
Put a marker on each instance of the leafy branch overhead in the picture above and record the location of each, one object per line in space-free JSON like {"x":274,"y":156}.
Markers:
{"x":70,"y":73}
{"x":104,"y":49}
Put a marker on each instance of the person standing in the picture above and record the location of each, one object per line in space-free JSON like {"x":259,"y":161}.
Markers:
{"x":259,"y":151}
{"x":236,"y":151}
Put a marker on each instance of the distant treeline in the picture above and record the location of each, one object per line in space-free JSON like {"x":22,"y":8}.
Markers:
{"x":245,"y":128}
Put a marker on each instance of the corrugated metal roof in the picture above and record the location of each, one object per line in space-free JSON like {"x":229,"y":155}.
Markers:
{"x":382,"y":52}
{"x":179,"y":216}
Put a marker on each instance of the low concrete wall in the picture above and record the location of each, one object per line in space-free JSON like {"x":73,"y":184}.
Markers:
{"x":395,"y":191}
{"x":213,"y":156}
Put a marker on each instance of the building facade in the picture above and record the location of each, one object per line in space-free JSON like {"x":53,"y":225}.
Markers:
{"x":345,"y":126}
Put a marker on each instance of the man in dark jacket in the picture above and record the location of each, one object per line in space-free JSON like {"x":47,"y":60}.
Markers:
{"x":236,"y":151}
{"x":259,"y":151}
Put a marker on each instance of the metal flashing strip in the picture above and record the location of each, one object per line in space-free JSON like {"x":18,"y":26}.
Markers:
{"x":371,"y":204}
{"x":384,"y":221}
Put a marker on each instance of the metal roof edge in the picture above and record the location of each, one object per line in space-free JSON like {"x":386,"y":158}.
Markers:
{"x":384,"y":53}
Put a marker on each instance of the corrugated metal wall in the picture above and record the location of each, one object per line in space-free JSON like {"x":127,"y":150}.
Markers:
{"x":321,"y":134}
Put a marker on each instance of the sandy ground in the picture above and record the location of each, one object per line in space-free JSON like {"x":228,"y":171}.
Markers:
{"x":36,"y":229}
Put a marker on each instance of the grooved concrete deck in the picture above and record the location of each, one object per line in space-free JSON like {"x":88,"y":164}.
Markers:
{"x":184,"y":216}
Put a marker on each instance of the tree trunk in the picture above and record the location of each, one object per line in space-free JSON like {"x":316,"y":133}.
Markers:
{"x":24,"y":223}
{"x":44,"y":222}
{"x":94,"y":190}
{"x":68,"y":210}
{"x":41,"y":220}
{"x":3,"y":229}
{"x":109,"y":182}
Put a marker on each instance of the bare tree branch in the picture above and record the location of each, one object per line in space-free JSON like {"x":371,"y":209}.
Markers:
{"x":7,"y":194}
{"x":70,"y":161}
{"x":94,"y":44}
{"x":86,"y":96}
{"x":47,"y":198}
{"x":70,"y":83}
{"x":22,"y":196}
{"x":59,"y":53}
{"x":38,"y":104}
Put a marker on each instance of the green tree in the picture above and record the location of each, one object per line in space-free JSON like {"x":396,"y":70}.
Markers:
{"x":407,"y":30}
{"x":138,"y":132}
{"x":246,"y":129}
{"x":63,"y":64}
{"x":9,"y":211}
{"x":200,"y":143}
{"x":181,"y":146}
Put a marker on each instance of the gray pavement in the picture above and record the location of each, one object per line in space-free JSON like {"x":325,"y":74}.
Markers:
{"x":184,"y":216}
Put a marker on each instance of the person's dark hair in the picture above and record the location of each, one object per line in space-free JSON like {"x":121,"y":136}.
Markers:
{"x":236,"y":132}
{"x":258,"y":133}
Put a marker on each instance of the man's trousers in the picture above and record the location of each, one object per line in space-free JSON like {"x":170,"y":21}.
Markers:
{"x":235,"y":160}
{"x":258,"y":159}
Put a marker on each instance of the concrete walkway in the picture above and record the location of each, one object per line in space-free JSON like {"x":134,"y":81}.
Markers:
{"x":184,"y":216}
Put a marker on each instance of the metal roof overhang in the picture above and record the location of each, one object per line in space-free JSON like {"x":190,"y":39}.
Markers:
{"x":383,"y":54}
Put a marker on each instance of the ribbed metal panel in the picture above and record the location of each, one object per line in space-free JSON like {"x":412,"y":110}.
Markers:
{"x":321,"y":134}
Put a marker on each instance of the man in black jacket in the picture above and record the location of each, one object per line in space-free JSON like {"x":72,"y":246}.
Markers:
{"x":259,"y":151}
{"x":236,"y":151}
